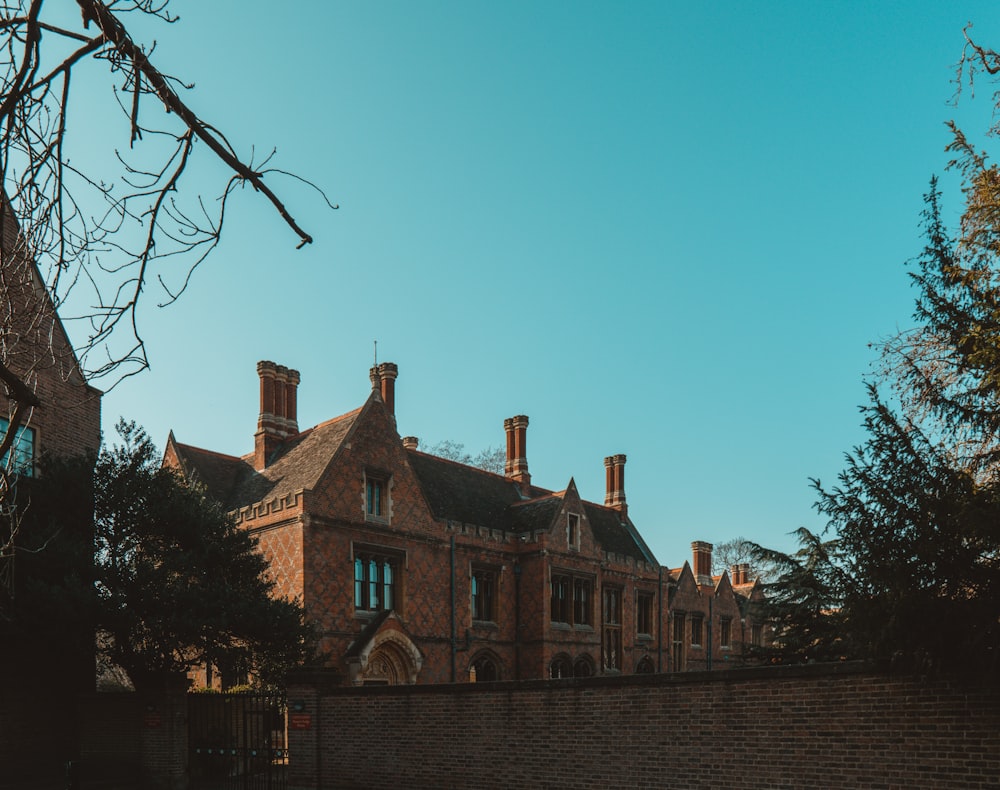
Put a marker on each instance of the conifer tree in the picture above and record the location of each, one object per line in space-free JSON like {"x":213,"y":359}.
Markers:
{"x":911,"y":569}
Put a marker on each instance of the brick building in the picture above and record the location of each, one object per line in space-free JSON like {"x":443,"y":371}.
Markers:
{"x":47,"y":640}
{"x":418,"y":569}
{"x":34,"y":346}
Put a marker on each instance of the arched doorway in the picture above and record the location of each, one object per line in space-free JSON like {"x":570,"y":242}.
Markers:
{"x":389,"y":659}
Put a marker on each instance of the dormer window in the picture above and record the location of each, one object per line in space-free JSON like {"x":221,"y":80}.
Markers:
{"x":573,"y":530}
{"x":376,"y":497}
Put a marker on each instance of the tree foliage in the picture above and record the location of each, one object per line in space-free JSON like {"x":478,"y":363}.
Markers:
{"x":912,"y":572}
{"x":53,"y":621}
{"x":802,"y":603}
{"x":178,"y":583}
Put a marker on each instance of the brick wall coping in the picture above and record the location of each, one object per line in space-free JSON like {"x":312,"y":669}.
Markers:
{"x":743,"y":674}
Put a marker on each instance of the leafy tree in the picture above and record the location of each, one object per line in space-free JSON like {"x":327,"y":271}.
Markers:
{"x":178,"y":583}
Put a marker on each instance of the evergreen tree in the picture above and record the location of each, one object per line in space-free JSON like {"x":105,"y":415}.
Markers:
{"x":912,"y":571}
{"x":916,"y":511}
{"x":178,"y":583}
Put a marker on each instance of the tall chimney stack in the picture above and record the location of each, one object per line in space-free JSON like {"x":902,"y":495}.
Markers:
{"x":516,"y":465}
{"x":702,"y":556}
{"x":278,"y":418}
{"x":383,"y":376}
{"x":614,"y":475}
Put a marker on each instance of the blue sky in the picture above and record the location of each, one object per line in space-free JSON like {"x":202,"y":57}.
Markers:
{"x":660,"y":229}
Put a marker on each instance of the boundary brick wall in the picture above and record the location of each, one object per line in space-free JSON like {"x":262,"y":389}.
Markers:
{"x":833,"y":726}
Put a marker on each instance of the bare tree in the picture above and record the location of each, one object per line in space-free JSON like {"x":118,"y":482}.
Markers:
{"x":90,"y":240}
{"x":739,"y":551}
{"x":492,"y":459}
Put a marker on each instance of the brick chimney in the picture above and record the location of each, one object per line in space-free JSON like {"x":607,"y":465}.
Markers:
{"x":383,"y":376}
{"x":702,"y":556}
{"x":278,"y":417}
{"x":516,"y":465}
{"x":614,"y":474}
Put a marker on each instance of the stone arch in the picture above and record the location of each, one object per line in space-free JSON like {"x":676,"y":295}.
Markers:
{"x":561,"y":667}
{"x":583,"y":667}
{"x":645,"y":666}
{"x":485,"y":667}
{"x":390,"y":658}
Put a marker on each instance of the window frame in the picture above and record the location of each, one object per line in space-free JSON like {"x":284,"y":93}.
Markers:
{"x":377,"y":508}
{"x":611,"y":642}
{"x":20,"y":458}
{"x":573,"y":531}
{"x":678,"y":652}
{"x":725,"y":633}
{"x":488,"y":661}
{"x":644,"y":612}
{"x":697,"y":629}
{"x":560,"y":667}
{"x":487,"y":577}
{"x":367,"y":587}
{"x":576,"y":607}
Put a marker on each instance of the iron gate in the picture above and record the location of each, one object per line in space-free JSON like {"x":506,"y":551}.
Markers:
{"x":238,"y":741}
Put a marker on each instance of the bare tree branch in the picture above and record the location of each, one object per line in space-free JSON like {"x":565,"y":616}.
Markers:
{"x":88,"y":238}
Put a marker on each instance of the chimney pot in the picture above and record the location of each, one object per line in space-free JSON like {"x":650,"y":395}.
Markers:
{"x":410,"y":442}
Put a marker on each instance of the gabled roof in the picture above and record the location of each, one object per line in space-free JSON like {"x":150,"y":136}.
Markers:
{"x":453,"y":491}
{"x":464,"y":493}
{"x":616,"y":534}
{"x":470,"y":495}
{"x":297,"y":465}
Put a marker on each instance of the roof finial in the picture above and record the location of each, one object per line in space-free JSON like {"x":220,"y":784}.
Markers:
{"x":376,"y":351}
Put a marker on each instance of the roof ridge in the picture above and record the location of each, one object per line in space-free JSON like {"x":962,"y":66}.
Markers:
{"x":459,"y":463}
{"x":208,"y":452}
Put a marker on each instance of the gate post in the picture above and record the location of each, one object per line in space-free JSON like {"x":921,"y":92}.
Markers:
{"x":164,"y":737}
{"x":305,"y":742}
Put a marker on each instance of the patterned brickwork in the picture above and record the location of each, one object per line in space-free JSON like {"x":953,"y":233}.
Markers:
{"x":282,"y":547}
{"x":437,"y":524}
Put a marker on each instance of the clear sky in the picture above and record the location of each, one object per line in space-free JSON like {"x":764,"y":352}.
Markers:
{"x":662,"y":229}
